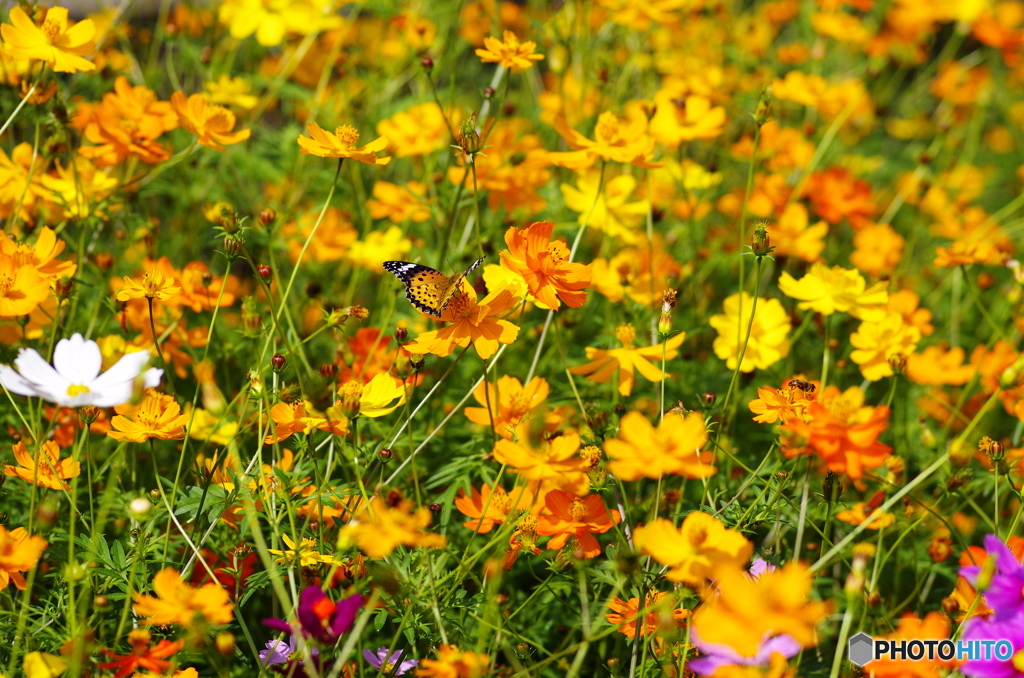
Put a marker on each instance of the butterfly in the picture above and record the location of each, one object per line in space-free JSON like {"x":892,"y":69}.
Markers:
{"x":427,"y":289}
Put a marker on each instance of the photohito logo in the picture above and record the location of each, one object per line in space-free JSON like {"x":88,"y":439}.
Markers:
{"x":863,"y":649}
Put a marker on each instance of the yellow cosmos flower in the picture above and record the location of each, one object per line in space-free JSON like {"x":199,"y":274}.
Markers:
{"x":509,"y":52}
{"x":381,"y":395}
{"x":22,"y":289}
{"x":379,"y":529}
{"x":158,"y":416}
{"x":627,"y":360}
{"x":877,"y":342}
{"x":421,"y":129}
{"x":740,"y":611}
{"x":607,"y":209}
{"x":829,"y":290}
{"x":228,"y":91}
{"x":642,"y":451}
{"x":57,"y":42}
{"x":212,"y":124}
{"x":509,"y":401}
{"x":769,"y":334}
{"x":615,"y":139}
{"x":399,"y":203}
{"x":376,"y":247}
{"x":45,"y":469}
{"x":697,"y":550}
{"x":178,"y":603}
{"x":681,"y":119}
{"x":154,"y":285}
{"x":304,"y":553}
{"x":342,"y":144}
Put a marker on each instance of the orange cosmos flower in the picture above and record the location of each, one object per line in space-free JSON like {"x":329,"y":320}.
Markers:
{"x":126,"y":123}
{"x":643,"y":451}
{"x":470,"y":321}
{"x":697,"y":550}
{"x":629,"y":273}
{"x":488,"y":507}
{"x":556,"y":460}
{"x":452,"y":662}
{"x":142,"y":655}
{"x":342,"y":144}
{"x":400,"y":203}
{"x":615,"y":139}
{"x":678,"y":119}
{"x":300,"y":417}
{"x":627,"y":359}
{"x":545,"y":266}
{"x":157,"y":416}
{"x":48,"y":471}
{"x":18,"y":553}
{"x":212,"y":124}
{"x":378,"y":529}
{"x":509,"y":52}
{"x":510,"y":402}
{"x":740,"y":611}
{"x":836,"y":194}
{"x":841,"y":431}
{"x":513,"y":169}
{"x":178,"y":603}
{"x":22,"y":289}
{"x":577,"y":517}
{"x":659,"y":614}
{"x":783,"y":404}
{"x":861,"y":513}
{"x":57,"y":42}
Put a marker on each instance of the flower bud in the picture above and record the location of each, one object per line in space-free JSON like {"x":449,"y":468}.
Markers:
{"x":207,"y":278}
{"x":468,"y":139}
{"x":951,"y":607}
{"x":401,"y":335}
{"x":101,"y":602}
{"x":897,"y":363}
{"x":265,"y":273}
{"x":47,"y":513}
{"x":267,"y":216}
{"x":435,"y":508}
{"x":385,"y":455}
{"x":427,"y":63}
{"x":88,"y":414}
{"x":277,"y":363}
{"x":63,"y":288}
{"x":328,"y":370}
{"x":417,"y":360}
{"x":75,"y":572}
{"x":488,"y":92}
{"x":252,"y":323}
{"x":225,"y":643}
{"x":709,"y":398}
{"x":668,"y":303}
{"x":940,"y":549}
{"x":233,"y":247}
{"x":763,"y":111}
{"x":760,"y":243}
{"x":155,"y":494}
{"x":139,"y":508}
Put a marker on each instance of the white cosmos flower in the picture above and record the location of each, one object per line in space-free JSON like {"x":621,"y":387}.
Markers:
{"x":74,"y":380}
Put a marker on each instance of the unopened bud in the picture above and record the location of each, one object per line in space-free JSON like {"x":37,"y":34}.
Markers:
{"x":468,"y":139}
{"x":225,"y":643}
{"x":897,"y":363}
{"x":233,"y":247}
{"x":101,"y":602}
{"x":488,"y":92}
{"x":760,"y":243}
{"x":139,"y":508}
{"x":252,"y":323}
{"x":401,"y":335}
{"x":268,"y":215}
{"x":709,"y":398}
{"x":63,"y":288}
{"x":277,"y":362}
{"x":427,"y":63}
{"x":435,"y":508}
{"x":951,"y":607}
{"x":763,"y":111}
{"x":385,"y":455}
{"x":265,"y":273}
{"x":328,"y":370}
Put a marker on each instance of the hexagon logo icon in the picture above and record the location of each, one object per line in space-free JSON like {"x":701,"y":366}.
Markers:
{"x":862,"y":649}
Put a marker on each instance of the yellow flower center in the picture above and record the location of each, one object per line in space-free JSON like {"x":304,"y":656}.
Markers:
{"x":387,"y":668}
{"x":607,"y":129}
{"x":77,"y":389}
{"x":347,"y":135}
{"x":1018,"y":660}
{"x":500,"y":500}
{"x":577,"y":509}
{"x":591,"y":454}
{"x":24,"y":255}
{"x":51,"y":29}
{"x":626,"y":334}
{"x":350,"y":389}
{"x":152,"y":283}
{"x":6,"y":282}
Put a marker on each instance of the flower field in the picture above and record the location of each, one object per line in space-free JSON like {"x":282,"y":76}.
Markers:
{"x":468,"y":338}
